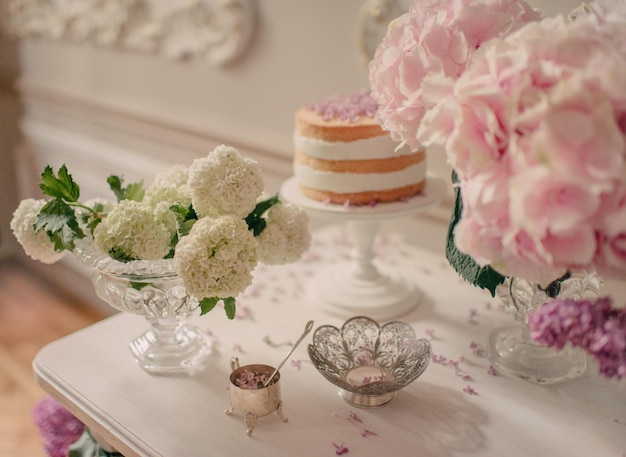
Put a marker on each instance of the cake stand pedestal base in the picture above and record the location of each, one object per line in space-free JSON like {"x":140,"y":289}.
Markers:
{"x":344,"y":295}
{"x":358,"y":287}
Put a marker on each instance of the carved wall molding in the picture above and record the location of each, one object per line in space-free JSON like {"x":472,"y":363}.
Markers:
{"x":216,"y":30}
{"x":372,"y":23}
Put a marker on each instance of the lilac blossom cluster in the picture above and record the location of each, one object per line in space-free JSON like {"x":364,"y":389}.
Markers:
{"x":593,"y":325}
{"x":347,"y":108}
{"x":58,"y":427}
{"x":251,"y":380}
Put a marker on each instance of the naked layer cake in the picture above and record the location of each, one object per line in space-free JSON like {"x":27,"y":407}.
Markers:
{"x":343,"y":156}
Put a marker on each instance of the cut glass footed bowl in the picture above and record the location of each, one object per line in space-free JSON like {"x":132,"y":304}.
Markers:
{"x":152,"y":289}
{"x":369,"y":363}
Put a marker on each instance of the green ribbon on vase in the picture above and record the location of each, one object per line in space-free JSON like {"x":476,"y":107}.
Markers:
{"x":483,"y":277}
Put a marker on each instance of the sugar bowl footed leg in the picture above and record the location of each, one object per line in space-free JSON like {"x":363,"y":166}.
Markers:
{"x":250,"y":420}
{"x":279,"y":412}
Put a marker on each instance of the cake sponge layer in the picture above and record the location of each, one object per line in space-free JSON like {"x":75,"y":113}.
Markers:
{"x":364,"y":198}
{"x":312,"y":125}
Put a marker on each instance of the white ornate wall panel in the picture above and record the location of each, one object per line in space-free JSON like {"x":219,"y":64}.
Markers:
{"x":215,"y":30}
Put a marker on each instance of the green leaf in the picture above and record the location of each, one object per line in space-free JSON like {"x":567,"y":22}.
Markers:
{"x":92,"y":223}
{"x":87,"y":446}
{"x":137,"y":285}
{"x":255,"y":219}
{"x":185,"y":227}
{"x":230,"y":307}
{"x":58,"y":220}
{"x":207,"y":304}
{"x":62,"y":187}
{"x":133,"y":191}
{"x":119,"y":255}
{"x":115,"y":183}
{"x":483,"y":277}
{"x":181,"y":212}
{"x":186,"y":217}
{"x":554,"y":288}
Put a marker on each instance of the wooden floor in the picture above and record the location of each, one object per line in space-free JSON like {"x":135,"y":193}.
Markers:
{"x":32,"y":313}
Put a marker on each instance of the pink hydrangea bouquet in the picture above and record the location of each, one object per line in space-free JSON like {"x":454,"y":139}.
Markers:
{"x":211,"y":218}
{"x":535,"y":129}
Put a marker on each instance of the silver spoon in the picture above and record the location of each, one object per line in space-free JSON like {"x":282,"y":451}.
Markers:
{"x":307,"y":329}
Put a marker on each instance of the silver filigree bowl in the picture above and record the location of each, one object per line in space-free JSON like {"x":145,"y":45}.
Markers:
{"x":369,"y":363}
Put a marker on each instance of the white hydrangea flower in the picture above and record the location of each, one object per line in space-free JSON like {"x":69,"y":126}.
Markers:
{"x":36,"y":245}
{"x":224,"y":182}
{"x":170,"y":185}
{"x":217,"y":257}
{"x":164,"y":215}
{"x":132,"y":229}
{"x":286,"y":236}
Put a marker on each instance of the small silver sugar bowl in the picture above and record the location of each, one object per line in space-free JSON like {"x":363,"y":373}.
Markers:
{"x":249,"y":397}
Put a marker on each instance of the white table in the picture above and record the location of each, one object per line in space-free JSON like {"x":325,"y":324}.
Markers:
{"x":92,"y":373}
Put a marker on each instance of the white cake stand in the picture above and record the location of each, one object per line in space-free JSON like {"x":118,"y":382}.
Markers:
{"x":358,"y":287}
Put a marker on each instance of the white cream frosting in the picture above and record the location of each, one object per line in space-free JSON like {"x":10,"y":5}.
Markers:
{"x":380,"y":147}
{"x":343,"y":183}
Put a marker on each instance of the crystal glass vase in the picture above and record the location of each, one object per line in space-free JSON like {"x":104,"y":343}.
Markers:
{"x":512,"y":350}
{"x":152,"y":289}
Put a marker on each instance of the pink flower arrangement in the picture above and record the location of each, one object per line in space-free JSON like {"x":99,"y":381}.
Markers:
{"x":535,"y":130}
{"x":532,"y":115}
{"x":426,"y":50}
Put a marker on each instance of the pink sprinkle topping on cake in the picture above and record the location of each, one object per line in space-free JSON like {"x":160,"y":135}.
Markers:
{"x":348,"y":108}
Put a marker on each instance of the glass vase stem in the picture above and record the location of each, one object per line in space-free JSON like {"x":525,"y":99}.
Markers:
{"x":512,"y":349}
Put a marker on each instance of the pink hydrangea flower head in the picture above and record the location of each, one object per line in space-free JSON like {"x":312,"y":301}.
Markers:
{"x":426,"y":50}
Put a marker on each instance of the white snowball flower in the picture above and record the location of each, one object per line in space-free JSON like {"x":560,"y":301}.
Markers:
{"x":217,"y":257}
{"x":36,"y":245}
{"x":286,"y":236}
{"x":224,"y":182}
{"x":170,"y":185}
{"x":164,"y":215}
{"x":131,"y":229}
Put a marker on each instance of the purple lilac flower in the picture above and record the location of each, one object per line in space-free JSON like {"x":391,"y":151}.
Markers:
{"x":593,"y":325}
{"x":58,"y":427}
